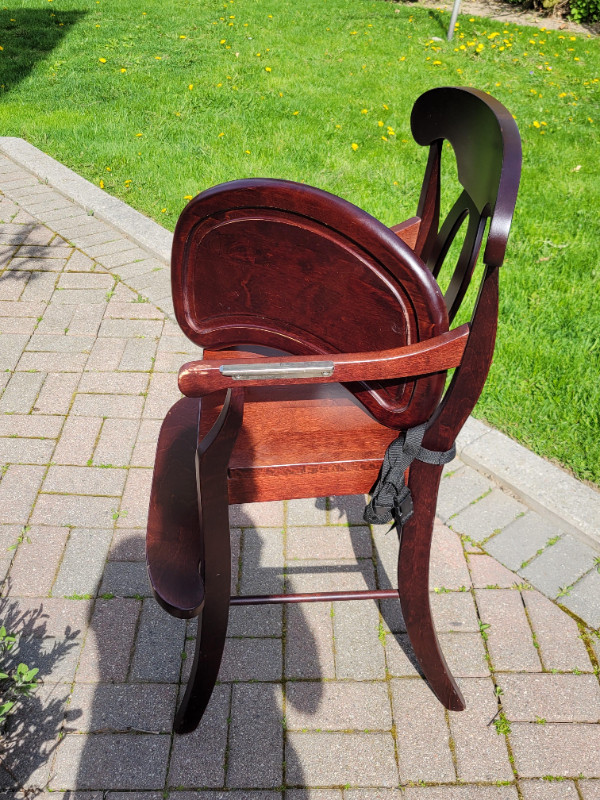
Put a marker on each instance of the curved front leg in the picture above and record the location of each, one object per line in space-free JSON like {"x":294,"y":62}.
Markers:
{"x":212,"y":460}
{"x":413,"y":583}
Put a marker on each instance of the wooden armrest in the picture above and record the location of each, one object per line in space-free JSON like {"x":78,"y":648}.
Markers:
{"x":408,"y":231}
{"x":199,"y":378}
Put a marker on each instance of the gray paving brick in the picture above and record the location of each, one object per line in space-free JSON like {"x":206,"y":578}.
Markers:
{"x":25,"y":325}
{"x":337,"y":706}
{"x":31,"y":425}
{"x":136,"y":497}
{"x":128,"y":546}
{"x":85,"y":480}
{"x":557,"y":635}
{"x":117,"y":383}
{"x":120,"y":258}
{"x":25,"y":751}
{"x":144,"y":451}
{"x":83,"y":562}
{"x":52,"y":362}
{"x":57,"y":393}
{"x":60,"y":344}
{"x":55,"y":320}
{"x":138,"y":355}
{"x":198,"y":759}
{"x":18,"y":491}
{"x":162,"y":393}
{"x":20,"y":309}
{"x":560,"y":565}
{"x":120,"y":707}
{"x":256,"y":714}
{"x":11,"y":287}
{"x":251,"y":660}
{"x":116,"y":442}
{"x":28,"y":263}
{"x":458,"y":490}
{"x":121,"y":761}
{"x":21,"y":393}
{"x":448,"y":568}
{"x":584,"y":599}
{"x":307,"y":511}
{"x":481,"y":754}
{"x":86,"y":320}
{"x":553,"y":749}
{"x":52,"y":633}
{"x":313,"y":794}
{"x":590,"y":789}
{"x":80,"y":262}
{"x":347,"y":509}
{"x":454,"y":612}
{"x":262,"y":561}
{"x":548,"y":790}
{"x":36,"y":561}
{"x":331,"y":542}
{"x":555,"y":698}
{"x":131,"y":309}
{"x":255,"y":621}
{"x":464,"y":653}
{"x":78,"y":296}
{"x":126,"y":579}
{"x":252,"y":515}
{"x":39,"y":287}
{"x":309,"y":641}
{"x":77,"y":511}
{"x":326,"y":576}
{"x":130,"y":328}
{"x":116,"y":246}
{"x":106,"y":355}
{"x":25,"y":451}
{"x":510,"y":642}
{"x":243,"y":794}
{"x":160,"y":642}
{"x":424,"y":747}
{"x":358,"y":759}
{"x":77,"y":441}
{"x":107,"y":405}
{"x":108,"y":648}
{"x":486,"y":572}
{"x":488,"y":515}
{"x":359,"y":652}
{"x":521,"y":540}
{"x":461,"y":793}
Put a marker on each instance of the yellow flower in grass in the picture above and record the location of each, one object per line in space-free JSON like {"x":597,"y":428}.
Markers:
{"x":354,"y":146}
{"x":536,"y":124}
{"x":102,"y":60}
{"x":101,"y":184}
{"x":267,"y":69}
{"x":187,"y":196}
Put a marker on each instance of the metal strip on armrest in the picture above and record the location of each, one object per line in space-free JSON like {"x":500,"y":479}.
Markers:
{"x":257,"y":372}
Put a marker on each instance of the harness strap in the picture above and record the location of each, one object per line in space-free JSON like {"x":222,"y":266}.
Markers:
{"x":390,"y":497}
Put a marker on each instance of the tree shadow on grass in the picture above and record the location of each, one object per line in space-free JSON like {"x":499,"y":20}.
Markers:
{"x":29,"y":35}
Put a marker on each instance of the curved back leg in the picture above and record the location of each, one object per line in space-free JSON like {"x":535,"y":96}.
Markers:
{"x":413,"y":585}
{"x":212,"y":459}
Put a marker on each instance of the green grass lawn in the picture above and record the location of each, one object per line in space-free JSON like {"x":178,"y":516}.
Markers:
{"x":157,"y":101}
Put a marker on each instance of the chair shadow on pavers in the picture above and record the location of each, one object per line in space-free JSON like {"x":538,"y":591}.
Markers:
{"x":133,"y":667}
{"x":33,"y":726}
{"x":33,"y":34}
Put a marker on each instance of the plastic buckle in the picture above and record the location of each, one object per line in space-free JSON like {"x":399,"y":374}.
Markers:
{"x":404,"y":509}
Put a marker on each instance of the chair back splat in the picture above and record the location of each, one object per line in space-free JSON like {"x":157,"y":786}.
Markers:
{"x":360,"y":329}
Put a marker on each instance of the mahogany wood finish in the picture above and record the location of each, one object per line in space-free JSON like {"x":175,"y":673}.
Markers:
{"x":265,"y":263}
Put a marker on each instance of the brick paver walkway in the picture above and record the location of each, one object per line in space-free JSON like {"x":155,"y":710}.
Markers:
{"x":319,"y":701}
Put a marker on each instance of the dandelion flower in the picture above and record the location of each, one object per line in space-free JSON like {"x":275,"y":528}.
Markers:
{"x":102,"y":60}
{"x":536,"y":124}
{"x":191,"y":86}
{"x":354,"y":146}
{"x":101,"y":184}
{"x":267,"y":69}
{"x":123,"y":69}
{"x":187,"y":196}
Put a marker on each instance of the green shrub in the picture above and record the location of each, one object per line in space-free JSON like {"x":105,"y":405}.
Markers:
{"x":585,"y":10}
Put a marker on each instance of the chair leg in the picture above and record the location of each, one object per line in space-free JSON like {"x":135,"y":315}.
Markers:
{"x":211,"y":469}
{"x":413,"y":582}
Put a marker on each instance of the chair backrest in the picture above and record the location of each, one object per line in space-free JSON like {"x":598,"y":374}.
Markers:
{"x":487,"y":146}
{"x":284,"y":265}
